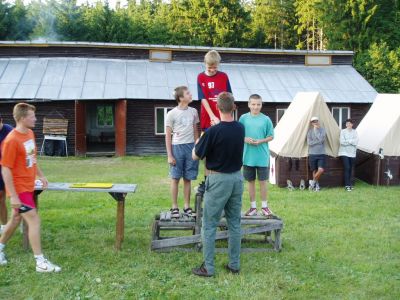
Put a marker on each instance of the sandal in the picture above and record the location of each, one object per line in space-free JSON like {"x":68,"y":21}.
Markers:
{"x":174,"y":213}
{"x":188,"y":211}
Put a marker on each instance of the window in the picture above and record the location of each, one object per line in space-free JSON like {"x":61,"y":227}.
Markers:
{"x":105,"y":116}
{"x":340,"y":114}
{"x":161,"y":118}
{"x":279,"y":114}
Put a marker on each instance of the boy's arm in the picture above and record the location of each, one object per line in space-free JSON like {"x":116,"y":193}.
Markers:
{"x":9,"y":183}
{"x":209,"y":111}
{"x":168,"y":145}
{"x":42,"y":178}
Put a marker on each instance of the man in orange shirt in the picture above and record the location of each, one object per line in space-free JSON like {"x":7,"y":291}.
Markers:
{"x":19,"y":169}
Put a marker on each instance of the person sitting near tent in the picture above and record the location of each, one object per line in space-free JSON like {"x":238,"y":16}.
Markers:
{"x":347,"y":151}
{"x":316,"y":152}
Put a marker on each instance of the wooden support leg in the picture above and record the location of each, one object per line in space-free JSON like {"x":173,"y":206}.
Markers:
{"x":120,"y":224}
{"x":25,"y":237}
{"x":278,"y":242}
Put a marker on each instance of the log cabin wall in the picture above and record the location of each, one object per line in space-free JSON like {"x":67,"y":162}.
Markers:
{"x":66,"y":108}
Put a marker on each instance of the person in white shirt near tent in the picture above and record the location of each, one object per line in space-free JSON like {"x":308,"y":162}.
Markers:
{"x":347,"y":151}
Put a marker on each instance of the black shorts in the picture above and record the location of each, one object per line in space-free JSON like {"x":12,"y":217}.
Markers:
{"x":2,"y":187}
{"x":249,"y":173}
{"x":316,"y":161}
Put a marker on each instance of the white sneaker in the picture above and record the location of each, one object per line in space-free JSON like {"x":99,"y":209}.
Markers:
{"x":46,"y":266}
{"x":311,"y":184}
{"x":3,"y":260}
{"x":317,"y":188}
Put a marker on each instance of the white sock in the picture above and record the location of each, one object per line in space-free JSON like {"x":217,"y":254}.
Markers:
{"x":253,"y":204}
{"x":39,"y":258}
{"x":264,"y":204}
{"x":2,"y":246}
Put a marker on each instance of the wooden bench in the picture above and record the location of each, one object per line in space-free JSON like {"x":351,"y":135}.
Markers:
{"x":250,"y":225}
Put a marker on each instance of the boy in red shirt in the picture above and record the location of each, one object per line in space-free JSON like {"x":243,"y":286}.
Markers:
{"x":209,"y":85}
{"x":19,"y":169}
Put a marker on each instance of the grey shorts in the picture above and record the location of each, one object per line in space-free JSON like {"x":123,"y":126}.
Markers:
{"x":249,"y":173}
{"x":185,"y":166}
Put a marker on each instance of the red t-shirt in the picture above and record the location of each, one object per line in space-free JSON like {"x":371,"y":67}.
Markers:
{"x":209,"y":87}
{"x":19,"y":154}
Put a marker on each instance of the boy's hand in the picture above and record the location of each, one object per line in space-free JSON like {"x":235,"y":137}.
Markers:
{"x":171,"y":160}
{"x":248,"y":140}
{"x":44,"y":181}
{"x":15,"y":202}
{"x":215,"y":121}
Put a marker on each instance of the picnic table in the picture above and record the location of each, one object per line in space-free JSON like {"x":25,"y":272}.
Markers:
{"x":118,"y":192}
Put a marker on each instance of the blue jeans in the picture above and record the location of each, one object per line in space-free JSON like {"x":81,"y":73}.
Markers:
{"x":223,"y":192}
{"x":348,"y":163}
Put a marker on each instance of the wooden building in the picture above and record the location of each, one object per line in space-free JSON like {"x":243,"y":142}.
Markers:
{"x":378,"y":153}
{"x":116,"y":96}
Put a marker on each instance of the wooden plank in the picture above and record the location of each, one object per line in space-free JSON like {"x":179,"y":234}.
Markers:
{"x":168,"y":216}
{"x":164,"y":224}
{"x":179,"y":241}
{"x":162,"y":216}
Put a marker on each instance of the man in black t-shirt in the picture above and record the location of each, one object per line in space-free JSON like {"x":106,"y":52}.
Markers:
{"x":222,"y":146}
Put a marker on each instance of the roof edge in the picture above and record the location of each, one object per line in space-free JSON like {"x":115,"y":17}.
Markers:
{"x":46,"y":43}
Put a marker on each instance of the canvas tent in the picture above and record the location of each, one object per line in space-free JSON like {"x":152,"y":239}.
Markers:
{"x":289,"y":149}
{"x":379,"y":132}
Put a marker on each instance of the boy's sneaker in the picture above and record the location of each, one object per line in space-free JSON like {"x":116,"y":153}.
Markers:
{"x":348,"y":188}
{"x":251,"y":212}
{"x":175,"y":213}
{"x":316,"y":187}
{"x":47,"y":267}
{"x":302,"y":185}
{"x":3,"y":260}
{"x":311,"y":185}
{"x":266,"y":212}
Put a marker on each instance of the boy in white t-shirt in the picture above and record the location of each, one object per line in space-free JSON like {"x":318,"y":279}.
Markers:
{"x":180,"y":133}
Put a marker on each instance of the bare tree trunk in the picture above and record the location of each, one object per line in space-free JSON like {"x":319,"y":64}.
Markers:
{"x":313,"y":33}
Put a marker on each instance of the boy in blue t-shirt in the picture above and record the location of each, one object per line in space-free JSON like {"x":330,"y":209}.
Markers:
{"x":259,"y":131}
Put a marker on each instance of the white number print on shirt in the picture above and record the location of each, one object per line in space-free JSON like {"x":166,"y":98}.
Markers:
{"x":211,"y":84}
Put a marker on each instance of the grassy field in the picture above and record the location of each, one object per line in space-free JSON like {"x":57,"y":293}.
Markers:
{"x":336,"y":245}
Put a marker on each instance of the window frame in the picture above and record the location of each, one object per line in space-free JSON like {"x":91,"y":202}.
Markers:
{"x":166,"y":109}
{"x":277,"y":115}
{"x":340,"y":108}
{"x":97,"y":119}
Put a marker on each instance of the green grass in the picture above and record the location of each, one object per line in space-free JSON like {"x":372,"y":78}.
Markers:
{"x":336,"y":245}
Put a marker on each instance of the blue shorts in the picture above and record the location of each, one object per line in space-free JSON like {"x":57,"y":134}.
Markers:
{"x":316,"y":161}
{"x":185,"y":166}
{"x":249,"y":173}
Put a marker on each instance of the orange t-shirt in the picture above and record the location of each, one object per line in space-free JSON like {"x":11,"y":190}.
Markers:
{"x":19,"y":154}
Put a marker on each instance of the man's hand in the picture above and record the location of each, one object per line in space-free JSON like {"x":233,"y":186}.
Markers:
{"x":171,"y":160}
{"x":15,"y":202}
{"x":44,"y":181}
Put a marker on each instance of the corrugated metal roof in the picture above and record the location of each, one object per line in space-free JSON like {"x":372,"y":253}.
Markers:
{"x":93,"y":79}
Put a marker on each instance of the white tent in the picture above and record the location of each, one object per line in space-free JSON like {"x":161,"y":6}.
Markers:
{"x":290,"y":138}
{"x":380,"y":128}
